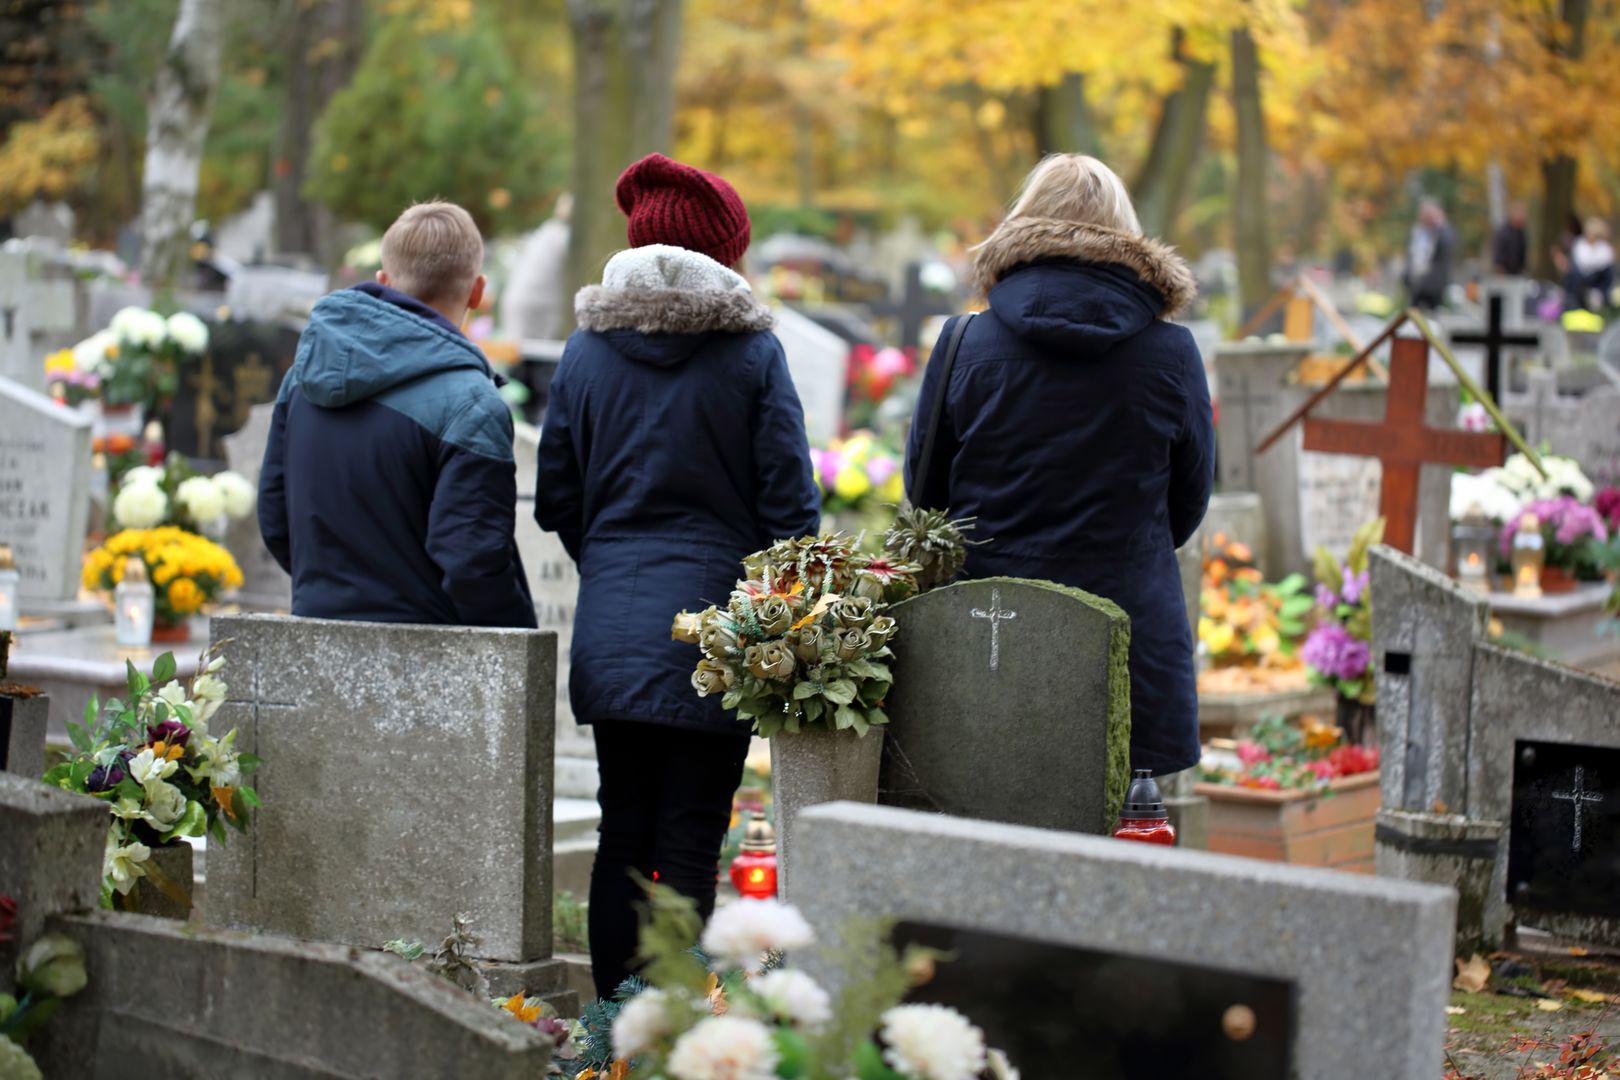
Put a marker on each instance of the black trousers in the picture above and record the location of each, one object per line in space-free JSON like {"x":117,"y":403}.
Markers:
{"x":666,"y":796}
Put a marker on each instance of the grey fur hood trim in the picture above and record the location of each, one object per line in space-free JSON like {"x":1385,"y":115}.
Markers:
{"x":1026,"y":240}
{"x":670,"y":311}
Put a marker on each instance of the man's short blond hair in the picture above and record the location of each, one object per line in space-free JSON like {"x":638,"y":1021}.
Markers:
{"x":433,"y":252}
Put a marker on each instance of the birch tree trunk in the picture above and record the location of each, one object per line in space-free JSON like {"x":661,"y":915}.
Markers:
{"x":624,"y":108}
{"x":177,"y":125}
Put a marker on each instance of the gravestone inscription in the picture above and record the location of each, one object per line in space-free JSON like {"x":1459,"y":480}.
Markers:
{"x":1564,"y":844}
{"x":44,"y":491}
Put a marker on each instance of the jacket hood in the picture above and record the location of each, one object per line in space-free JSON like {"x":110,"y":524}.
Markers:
{"x":658,"y":304}
{"x":1023,"y":241}
{"x":363,"y":341}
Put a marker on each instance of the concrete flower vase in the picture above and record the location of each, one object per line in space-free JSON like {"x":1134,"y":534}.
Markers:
{"x":165,"y":891}
{"x":815,"y":767}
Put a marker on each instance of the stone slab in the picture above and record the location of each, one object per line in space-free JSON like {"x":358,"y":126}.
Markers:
{"x":1236,"y":713}
{"x":1572,"y":627}
{"x":1454,"y":851}
{"x":268,"y":1007}
{"x":264,"y":583}
{"x":815,"y":767}
{"x":22,"y":736}
{"x":1370,"y":960}
{"x":1011,"y":702}
{"x":71,"y":666}
{"x":44,"y":490}
{"x":407,"y":778}
{"x":51,"y":845}
{"x":818,"y":361}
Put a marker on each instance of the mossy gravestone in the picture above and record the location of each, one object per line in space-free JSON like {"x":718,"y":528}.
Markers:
{"x":1011,"y":703}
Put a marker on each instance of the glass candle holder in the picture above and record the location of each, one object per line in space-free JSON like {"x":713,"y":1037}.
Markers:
{"x":1471,"y":540}
{"x":1529,"y":556}
{"x":753,"y":871}
{"x":134,"y":606}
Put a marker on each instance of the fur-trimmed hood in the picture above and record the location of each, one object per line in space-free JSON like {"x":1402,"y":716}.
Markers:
{"x":659,"y":289}
{"x":1027,"y":240}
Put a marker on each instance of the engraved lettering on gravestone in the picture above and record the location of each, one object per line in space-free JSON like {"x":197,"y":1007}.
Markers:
{"x":1579,"y":797}
{"x":996,"y":617}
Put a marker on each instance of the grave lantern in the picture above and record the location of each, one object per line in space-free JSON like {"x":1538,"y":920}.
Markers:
{"x":9,"y":582}
{"x":1529,"y":556}
{"x":753,"y":871}
{"x":1471,"y":540}
{"x":134,"y":605}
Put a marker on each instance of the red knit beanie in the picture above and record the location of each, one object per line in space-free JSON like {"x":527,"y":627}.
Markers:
{"x":675,"y":204}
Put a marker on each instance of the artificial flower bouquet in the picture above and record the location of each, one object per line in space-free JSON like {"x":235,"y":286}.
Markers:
{"x":734,"y":1007}
{"x":68,"y":382}
{"x":187,"y":571}
{"x":176,"y":494}
{"x":1338,"y":652}
{"x":162,"y":774}
{"x":1244,"y":620}
{"x":1278,"y":756}
{"x":136,"y":359}
{"x":857,"y":472}
{"x":1575,"y":536}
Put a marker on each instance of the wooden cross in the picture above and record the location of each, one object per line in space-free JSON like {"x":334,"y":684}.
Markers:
{"x":1403,"y":443}
{"x":1494,"y":337}
{"x":914,"y":306}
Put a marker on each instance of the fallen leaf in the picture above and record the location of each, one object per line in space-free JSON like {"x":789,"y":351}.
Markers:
{"x":1576,"y":950}
{"x":1595,"y":997}
{"x":1439,"y":807}
{"x":1455,"y":1010}
{"x":1548,"y":1004}
{"x":1472,"y":974}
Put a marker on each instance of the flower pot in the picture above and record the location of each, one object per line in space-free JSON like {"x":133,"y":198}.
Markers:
{"x":167,"y":633}
{"x":165,"y":891}
{"x":1556,"y":579}
{"x":1358,"y":721}
{"x":1333,"y":829}
{"x":815,"y":767}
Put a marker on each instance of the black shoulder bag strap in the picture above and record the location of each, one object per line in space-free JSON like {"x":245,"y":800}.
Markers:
{"x":937,"y":413}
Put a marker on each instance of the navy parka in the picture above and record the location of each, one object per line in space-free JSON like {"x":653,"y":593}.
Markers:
{"x":1078,"y":431}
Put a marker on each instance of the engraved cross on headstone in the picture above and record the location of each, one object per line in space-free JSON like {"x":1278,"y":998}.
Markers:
{"x":1578,"y":797}
{"x":996,"y":616}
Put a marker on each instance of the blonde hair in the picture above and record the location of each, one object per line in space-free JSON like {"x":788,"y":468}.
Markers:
{"x":1076,"y":188}
{"x":433,"y":252}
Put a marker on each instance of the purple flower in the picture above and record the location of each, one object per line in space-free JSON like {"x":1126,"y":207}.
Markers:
{"x":1354,"y":585}
{"x":1569,"y":519}
{"x":1335,"y":653}
{"x":107,"y":777}
{"x":880,"y":468}
{"x":172,"y":732}
{"x":1325,"y":598}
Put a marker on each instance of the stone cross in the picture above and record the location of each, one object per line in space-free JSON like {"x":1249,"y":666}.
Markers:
{"x":1493,"y":338}
{"x":1403,"y":442}
{"x":996,"y":616}
{"x":1578,"y":798}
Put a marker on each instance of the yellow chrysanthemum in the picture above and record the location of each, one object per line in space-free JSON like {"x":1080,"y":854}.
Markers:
{"x":185,"y":597}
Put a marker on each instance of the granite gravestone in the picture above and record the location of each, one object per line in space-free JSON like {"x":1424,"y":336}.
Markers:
{"x":408,"y":778}
{"x":818,"y":360}
{"x":1585,"y":427}
{"x":44,"y":492}
{"x":264,"y":583}
{"x":243,"y":367}
{"x":1480,"y":748}
{"x":1345,"y":976}
{"x":1011,"y":702}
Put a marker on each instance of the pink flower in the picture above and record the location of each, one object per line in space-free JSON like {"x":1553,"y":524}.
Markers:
{"x":1252,"y":753}
{"x":880,"y":468}
{"x":1335,"y":653}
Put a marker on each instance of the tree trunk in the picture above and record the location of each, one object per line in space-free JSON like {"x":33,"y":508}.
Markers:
{"x":1161,"y":186}
{"x":177,"y":116}
{"x":1558,"y":173}
{"x":1063,"y":120}
{"x":322,"y":48}
{"x":1253,"y":158}
{"x":624,"y":108}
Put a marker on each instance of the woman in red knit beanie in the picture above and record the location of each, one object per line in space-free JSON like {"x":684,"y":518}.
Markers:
{"x":674,"y":446}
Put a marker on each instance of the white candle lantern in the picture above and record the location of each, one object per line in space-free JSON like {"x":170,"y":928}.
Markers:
{"x":135,"y":605}
{"x":10,"y":584}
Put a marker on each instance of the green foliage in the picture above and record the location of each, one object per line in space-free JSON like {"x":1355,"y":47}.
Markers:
{"x":568,"y":923}
{"x":406,"y":950}
{"x":441,"y":115}
{"x":876,"y":977}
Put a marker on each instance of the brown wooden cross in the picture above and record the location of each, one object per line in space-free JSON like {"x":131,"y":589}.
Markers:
{"x":1403,"y":443}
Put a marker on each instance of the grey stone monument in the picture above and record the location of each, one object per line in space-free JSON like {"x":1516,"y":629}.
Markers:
{"x":44,"y":493}
{"x":1340,"y":975}
{"x":407,"y":778}
{"x":264,"y":583}
{"x":51,"y":846}
{"x":818,"y":360}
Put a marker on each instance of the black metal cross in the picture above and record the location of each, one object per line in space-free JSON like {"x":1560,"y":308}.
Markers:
{"x":914,"y":306}
{"x":1494,"y":337}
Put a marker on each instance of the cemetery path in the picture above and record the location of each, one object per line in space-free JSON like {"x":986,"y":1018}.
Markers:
{"x":1535,"y":1011}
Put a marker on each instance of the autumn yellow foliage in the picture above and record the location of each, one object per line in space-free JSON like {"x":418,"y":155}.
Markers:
{"x":50,"y":157}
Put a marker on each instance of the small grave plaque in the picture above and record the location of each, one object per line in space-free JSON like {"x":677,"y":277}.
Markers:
{"x":1564,"y":848}
{"x":1057,"y":1010}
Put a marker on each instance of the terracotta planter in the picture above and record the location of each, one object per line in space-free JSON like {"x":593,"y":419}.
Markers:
{"x":817,"y":767}
{"x":1296,"y":826}
{"x":171,"y":633}
{"x":1556,"y":579}
{"x":165,"y":891}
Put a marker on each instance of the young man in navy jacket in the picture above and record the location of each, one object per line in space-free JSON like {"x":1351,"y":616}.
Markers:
{"x":389,"y":487}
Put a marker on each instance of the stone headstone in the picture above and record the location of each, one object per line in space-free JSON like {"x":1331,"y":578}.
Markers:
{"x":264,"y":583}
{"x":17,"y":359}
{"x":407,"y":778}
{"x":23,"y":721}
{"x":819,"y":362}
{"x":1585,"y":427}
{"x":243,"y":367}
{"x":269,"y":294}
{"x":44,"y":491}
{"x":51,"y":221}
{"x":51,"y":846}
{"x":976,"y":663}
{"x":1342,"y":977}
{"x":1609,"y":354}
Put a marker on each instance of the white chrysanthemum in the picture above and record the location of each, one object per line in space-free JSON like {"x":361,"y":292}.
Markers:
{"x":201,"y":497}
{"x":641,"y":1022}
{"x":144,"y":474}
{"x":793,"y":996}
{"x":188,"y":332}
{"x":724,"y":1048}
{"x":238,"y":492}
{"x":1495,"y":501}
{"x":91,"y":353}
{"x":932,"y":1042}
{"x":742,"y":932}
{"x":140,"y":327}
{"x":1000,"y":1068}
{"x":140,"y":506}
